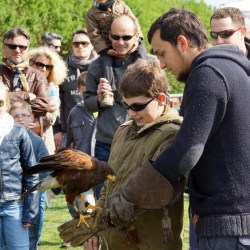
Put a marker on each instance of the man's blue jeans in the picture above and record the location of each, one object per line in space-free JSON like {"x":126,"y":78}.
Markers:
{"x":102,"y":152}
{"x":225,"y":243}
{"x":15,"y":235}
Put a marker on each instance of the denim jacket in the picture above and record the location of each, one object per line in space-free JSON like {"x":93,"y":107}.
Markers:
{"x":16,"y":155}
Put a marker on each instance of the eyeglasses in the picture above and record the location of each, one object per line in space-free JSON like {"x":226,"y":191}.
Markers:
{"x":54,"y":46}
{"x":137,"y":106}
{"x":42,"y":66}
{"x":22,"y":116}
{"x":223,"y":33}
{"x":77,"y":44}
{"x":14,"y":46}
{"x":124,"y":38}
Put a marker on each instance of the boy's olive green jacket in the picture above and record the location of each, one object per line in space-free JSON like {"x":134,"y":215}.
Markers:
{"x":131,"y":146}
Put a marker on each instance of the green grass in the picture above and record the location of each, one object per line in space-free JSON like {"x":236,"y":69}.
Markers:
{"x":58,"y":214}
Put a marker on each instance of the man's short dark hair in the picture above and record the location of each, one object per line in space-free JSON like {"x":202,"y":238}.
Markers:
{"x":234,"y":13}
{"x":17,"y":31}
{"x":80,"y":31}
{"x":49,"y":36}
{"x":180,"y":22}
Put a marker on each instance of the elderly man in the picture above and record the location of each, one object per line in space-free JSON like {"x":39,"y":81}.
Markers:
{"x":52,"y":40}
{"x":24,"y":82}
{"x":124,"y":39}
{"x":228,"y":27}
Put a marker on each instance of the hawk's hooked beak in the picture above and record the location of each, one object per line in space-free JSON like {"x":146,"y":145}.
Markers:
{"x":111,"y":177}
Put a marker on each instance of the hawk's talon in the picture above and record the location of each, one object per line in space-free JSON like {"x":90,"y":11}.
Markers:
{"x":82,"y":220}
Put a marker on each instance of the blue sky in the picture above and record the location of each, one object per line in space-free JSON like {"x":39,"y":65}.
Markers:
{"x":218,"y":3}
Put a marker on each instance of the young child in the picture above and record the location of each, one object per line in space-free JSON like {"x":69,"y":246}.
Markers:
{"x":81,"y":126}
{"x":16,"y":155}
{"x":98,"y":21}
{"x":152,"y":128}
{"x":22,"y":113}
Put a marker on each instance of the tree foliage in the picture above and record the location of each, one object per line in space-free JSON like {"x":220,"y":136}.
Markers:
{"x":64,"y":17}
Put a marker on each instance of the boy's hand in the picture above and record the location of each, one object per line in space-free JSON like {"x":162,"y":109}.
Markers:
{"x":76,"y":234}
{"x":92,"y":243}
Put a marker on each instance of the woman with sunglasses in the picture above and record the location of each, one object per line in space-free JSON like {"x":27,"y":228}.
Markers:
{"x":98,"y":21}
{"x":55,"y":70}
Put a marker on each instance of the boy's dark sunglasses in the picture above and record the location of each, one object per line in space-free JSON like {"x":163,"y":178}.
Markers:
{"x":41,"y":66}
{"x":14,"y":46}
{"x":223,"y":33}
{"x":124,"y":38}
{"x":77,"y":44}
{"x":137,"y":106}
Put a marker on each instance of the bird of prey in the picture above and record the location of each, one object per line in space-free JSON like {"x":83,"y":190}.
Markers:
{"x":72,"y":170}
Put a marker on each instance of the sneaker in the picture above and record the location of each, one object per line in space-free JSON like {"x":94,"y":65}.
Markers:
{"x":108,"y":99}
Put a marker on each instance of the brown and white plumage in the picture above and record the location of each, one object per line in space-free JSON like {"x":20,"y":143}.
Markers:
{"x":72,"y":170}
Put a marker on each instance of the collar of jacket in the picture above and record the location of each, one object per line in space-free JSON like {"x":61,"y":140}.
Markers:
{"x":171,"y":116}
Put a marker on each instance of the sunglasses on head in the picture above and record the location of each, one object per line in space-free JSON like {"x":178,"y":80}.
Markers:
{"x":137,"y":106}
{"x":124,"y":38}
{"x":223,"y":33}
{"x":14,"y":46}
{"x":77,"y":44}
{"x":42,"y":66}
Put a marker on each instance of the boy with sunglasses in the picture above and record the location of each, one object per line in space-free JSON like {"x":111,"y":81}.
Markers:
{"x":98,"y":21}
{"x":228,"y":27}
{"x":152,"y":128}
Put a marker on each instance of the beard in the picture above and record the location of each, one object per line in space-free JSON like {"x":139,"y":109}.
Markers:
{"x":183,"y":76}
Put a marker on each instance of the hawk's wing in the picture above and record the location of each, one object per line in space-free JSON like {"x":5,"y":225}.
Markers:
{"x":67,"y":159}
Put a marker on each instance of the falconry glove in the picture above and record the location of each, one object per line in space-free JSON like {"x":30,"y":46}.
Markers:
{"x":76,"y":234}
{"x":145,"y":189}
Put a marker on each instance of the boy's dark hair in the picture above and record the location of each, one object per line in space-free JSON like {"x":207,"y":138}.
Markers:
{"x":81,"y":80}
{"x":18,"y":31}
{"x":144,"y":78}
{"x":178,"y":22}
{"x":234,"y":13}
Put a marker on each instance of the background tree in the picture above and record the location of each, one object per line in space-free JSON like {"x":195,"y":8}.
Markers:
{"x":64,"y":17}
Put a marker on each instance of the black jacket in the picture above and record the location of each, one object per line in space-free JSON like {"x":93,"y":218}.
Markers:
{"x":214,"y":142}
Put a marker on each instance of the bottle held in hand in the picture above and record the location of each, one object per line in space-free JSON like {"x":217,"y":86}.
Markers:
{"x":108,"y":99}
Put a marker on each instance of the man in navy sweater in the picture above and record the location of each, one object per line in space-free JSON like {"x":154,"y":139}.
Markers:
{"x":214,"y":139}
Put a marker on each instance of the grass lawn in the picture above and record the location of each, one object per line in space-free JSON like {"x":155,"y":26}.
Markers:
{"x":58,"y":214}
